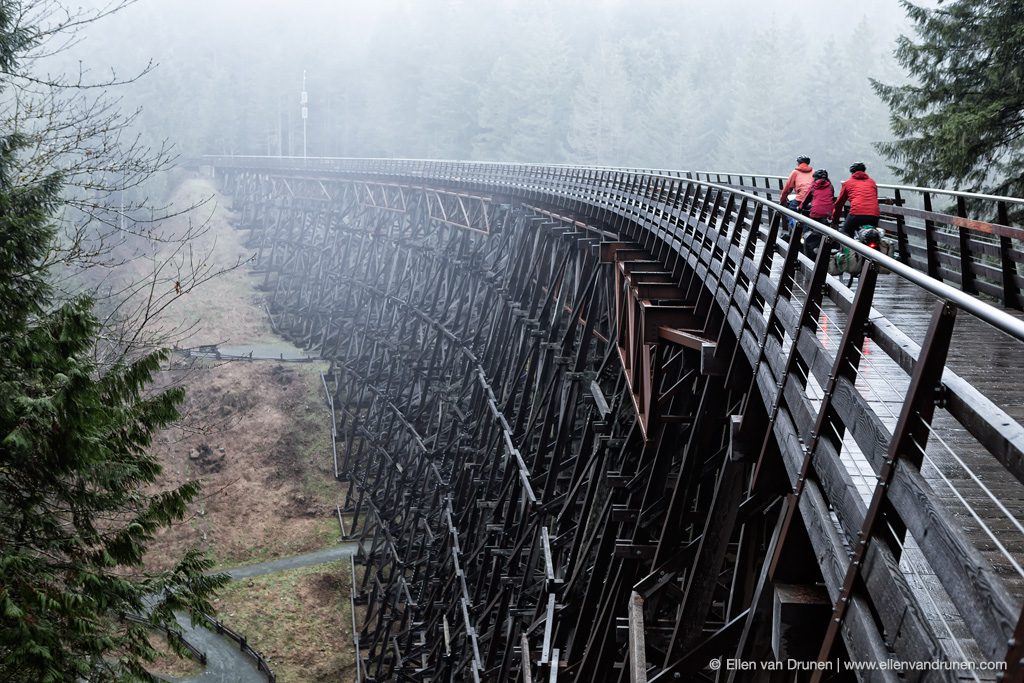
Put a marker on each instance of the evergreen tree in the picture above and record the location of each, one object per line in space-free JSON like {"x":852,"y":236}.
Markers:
{"x":498,"y":102}
{"x":961,"y":122}
{"x":445,"y":113}
{"x":75,"y":517}
{"x":763,"y":131}
{"x":665,"y":124}
{"x":523,"y":102}
{"x":683,"y":115}
{"x":500,"y":80}
{"x":600,"y":126}
{"x":843,"y":118}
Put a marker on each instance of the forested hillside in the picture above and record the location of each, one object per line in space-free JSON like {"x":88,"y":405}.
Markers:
{"x":679,"y":84}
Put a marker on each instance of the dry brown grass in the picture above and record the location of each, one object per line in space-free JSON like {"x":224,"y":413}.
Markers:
{"x":257,"y":434}
{"x":227,"y":308}
{"x":262,"y":451}
{"x":300,"y":620}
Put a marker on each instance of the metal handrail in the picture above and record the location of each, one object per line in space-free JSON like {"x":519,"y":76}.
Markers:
{"x":994,"y":316}
{"x":889,"y":186}
{"x":629,"y":169}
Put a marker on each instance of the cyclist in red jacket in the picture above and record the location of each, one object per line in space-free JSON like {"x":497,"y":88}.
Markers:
{"x":818,"y":204}
{"x":862,"y":193}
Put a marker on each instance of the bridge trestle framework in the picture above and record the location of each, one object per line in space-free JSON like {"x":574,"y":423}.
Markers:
{"x":609,"y":425}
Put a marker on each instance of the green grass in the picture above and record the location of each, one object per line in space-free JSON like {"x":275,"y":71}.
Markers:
{"x":300,"y":620}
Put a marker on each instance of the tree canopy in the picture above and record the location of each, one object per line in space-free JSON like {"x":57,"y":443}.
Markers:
{"x":77,"y":498}
{"x":961,"y":121}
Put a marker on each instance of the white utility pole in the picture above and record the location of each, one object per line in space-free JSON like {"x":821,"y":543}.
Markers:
{"x":120,"y":217}
{"x":305,"y":112}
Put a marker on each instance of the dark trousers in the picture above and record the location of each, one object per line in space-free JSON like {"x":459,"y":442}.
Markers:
{"x":812,"y":240}
{"x":853,"y":223}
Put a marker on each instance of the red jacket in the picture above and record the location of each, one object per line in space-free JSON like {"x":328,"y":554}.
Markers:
{"x":819,"y":199}
{"x":800,"y":180}
{"x":862,"y":193}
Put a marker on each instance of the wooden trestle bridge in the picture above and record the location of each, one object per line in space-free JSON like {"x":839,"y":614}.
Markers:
{"x":610,"y":425}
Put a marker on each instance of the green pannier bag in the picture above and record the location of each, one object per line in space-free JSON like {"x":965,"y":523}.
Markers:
{"x":845,"y":261}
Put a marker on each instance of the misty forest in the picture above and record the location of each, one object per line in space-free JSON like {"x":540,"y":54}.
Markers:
{"x":511,"y":340}
{"x":738,"y":86}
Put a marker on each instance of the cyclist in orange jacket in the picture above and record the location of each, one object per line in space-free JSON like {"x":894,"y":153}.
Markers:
{"x":799,"y":181}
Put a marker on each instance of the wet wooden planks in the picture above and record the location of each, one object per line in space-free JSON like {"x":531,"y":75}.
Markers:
{"x":985,"y":501}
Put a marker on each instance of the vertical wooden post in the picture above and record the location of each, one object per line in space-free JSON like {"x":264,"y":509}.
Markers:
{"x":524,"y":652}
{"x":966,"y":271}
{"x":637,"y":646}
{"x":1008,"y":266}
{"x":901,"y":231}
{"x":931,"y":249}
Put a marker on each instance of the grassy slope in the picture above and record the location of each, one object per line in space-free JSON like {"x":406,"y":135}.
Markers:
{"x":271,"y":493}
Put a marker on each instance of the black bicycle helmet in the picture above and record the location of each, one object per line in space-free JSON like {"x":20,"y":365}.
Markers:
{"x":803,"y":160}
{"x":820,"y":174}
{"x":859,"y":166}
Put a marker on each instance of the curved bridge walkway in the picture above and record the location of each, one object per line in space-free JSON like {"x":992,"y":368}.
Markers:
{"x":610,"y":425}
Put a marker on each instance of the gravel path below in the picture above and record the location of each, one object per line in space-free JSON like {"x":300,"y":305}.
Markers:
{"x":324,"y":556}
{"x":225,"y":663}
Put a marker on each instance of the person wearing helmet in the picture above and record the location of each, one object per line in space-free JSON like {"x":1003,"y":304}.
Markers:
{"x":818,"y":203}
{"x":862,"y":194}
{"x":799,"y":180}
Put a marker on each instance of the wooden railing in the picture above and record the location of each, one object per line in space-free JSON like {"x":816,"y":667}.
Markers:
{"x":172,"y":636}
{"x":220,"y":628}
{"x":243,"y":644}
{"x":944,"y":233}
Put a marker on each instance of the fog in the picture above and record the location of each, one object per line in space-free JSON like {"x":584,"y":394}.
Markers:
{"x":733,"y":85}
